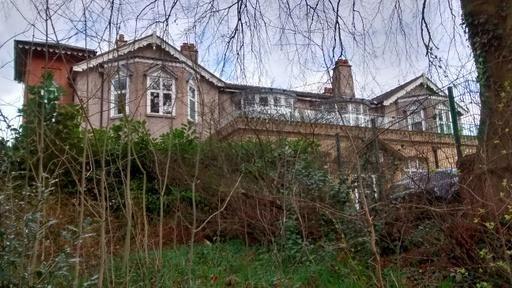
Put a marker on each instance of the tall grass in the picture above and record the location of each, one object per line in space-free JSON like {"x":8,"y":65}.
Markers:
{"x":232,"y":264}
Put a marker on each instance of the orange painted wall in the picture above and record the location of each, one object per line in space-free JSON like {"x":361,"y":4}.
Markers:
{"x":58,"y":65}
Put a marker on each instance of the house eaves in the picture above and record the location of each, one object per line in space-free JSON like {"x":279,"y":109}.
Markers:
{"x":154,"y":40}
{"x":51,"y":47}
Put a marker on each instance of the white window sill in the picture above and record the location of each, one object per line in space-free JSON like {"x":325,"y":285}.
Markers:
{"x":114,"y":117}
{"x":160,"y":115}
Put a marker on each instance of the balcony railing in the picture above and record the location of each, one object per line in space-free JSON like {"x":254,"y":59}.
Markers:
{"x":309,"y":115}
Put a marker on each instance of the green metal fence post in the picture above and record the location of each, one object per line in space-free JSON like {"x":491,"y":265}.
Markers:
{"x":455,"y":122}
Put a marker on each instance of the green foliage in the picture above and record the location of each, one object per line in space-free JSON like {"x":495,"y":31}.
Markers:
{"x":58,"y":125}
{"x":232,"y":264}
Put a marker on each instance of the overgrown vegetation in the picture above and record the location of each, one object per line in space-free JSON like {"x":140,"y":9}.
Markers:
{"x":115,"y":206}
{"x":232,"y":264}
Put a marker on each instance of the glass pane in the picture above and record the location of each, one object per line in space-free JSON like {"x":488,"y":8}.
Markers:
{"x":119,"y":84}
{"x":263,"y":101}
{"x":417,"y":126}
{"x":167,"y":84}
{"x":331,"y":108}
{"x":355,"y":108}
{"x":249,"y":101}
{"x":343,"y":107}
{"x":277,"y":101}
{"x":120,"y":103}
{"x":192,"y":109}
{"x":154,"y":83}
{"x":167,"y":104}
{"x":192,"y":92}
{"x":288,"y":102}
{"x":154,"y":102}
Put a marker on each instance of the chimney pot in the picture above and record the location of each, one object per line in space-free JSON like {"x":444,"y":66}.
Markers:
{"x":189,"y":50}
{"x":120,"y":41}
{"x":328,"y":90}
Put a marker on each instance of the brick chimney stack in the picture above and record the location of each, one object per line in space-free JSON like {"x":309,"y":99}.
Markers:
{"x":342,"y":81}
{"x":190,"y":51}
{"x":120,"y":41}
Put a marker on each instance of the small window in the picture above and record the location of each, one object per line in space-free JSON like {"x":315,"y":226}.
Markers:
{"x":415,"y":165}
{"x":119,"y":94}
{"x":192,"y":102}
{"x":160,"y":94}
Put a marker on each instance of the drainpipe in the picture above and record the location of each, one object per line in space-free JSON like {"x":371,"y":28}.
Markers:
{"x":102,"y":73}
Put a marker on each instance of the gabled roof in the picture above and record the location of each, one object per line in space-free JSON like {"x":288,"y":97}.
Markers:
{"x":399,"y":91}
{"x":20,"y":46}
{"x":386,"y":95}
{"x":151,"y":39}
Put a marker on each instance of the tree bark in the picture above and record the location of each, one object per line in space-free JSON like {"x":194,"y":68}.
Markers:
{"x":487,"y":176}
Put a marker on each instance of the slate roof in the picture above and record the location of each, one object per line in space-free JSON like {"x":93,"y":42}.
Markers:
{"x":302,"y":94}
{"x":384,"y":96}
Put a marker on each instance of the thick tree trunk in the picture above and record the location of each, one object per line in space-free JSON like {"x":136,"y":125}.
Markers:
{"x":487,"y":176}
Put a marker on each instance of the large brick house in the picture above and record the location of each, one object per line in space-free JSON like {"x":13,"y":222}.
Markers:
{"x":149,"y":79}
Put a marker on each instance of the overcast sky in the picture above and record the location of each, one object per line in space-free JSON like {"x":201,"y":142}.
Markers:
{"x":381,"y":40}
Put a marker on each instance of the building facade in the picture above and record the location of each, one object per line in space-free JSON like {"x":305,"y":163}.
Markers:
{"x":408,"y":128}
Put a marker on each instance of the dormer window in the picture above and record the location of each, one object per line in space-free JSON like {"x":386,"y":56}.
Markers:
{"x":161,"y":94}
{"x":443,"y":119}
{"x":119,"y":93}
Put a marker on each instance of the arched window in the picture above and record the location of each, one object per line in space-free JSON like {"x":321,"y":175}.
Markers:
{"x":161,"y":93}
{"x":443,"y":119}
{"x":192,"y":101}
{"x":119,"y":93}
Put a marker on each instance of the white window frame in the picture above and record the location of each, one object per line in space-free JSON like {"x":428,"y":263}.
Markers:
{"x":413,"y":111}
{"x":418,"y":165}
{"x":444,"y":125}
{"x":285,"y":102}
{"x":160,"y":75}
{"x":192,"y":85}
{"x":356,"y":114}
{"x":120,"y":73}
